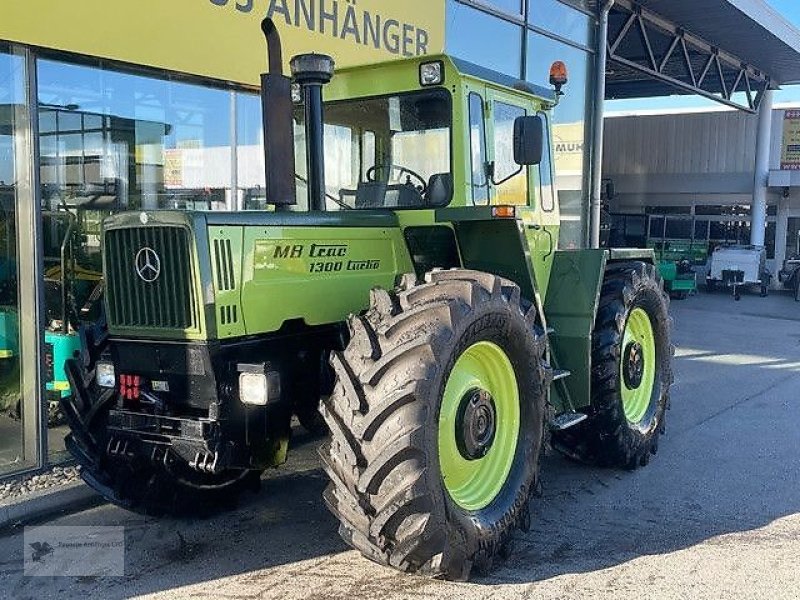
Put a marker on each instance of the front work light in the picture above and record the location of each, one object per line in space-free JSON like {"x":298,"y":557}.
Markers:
{"x":253,"y":389}
{"x":431,"y":73}
{"x":105,"y":376}
{"x":258,"y":385}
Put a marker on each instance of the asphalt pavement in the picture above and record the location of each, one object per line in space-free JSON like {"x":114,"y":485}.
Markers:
{"x":715,"y":515}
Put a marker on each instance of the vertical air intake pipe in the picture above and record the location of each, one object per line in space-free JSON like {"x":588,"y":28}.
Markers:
{"x":311,"y":72}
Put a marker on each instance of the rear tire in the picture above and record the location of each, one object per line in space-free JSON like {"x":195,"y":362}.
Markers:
{"x":396,"y":484}
{"x":631,"y":372}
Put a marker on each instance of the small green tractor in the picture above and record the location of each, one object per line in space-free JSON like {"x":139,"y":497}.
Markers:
{"x":422,"y":278}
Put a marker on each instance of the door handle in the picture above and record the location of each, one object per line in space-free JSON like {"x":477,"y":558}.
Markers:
{"x":549,"y":236}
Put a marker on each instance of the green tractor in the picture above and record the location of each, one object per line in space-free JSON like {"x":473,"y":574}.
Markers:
{"x":424,"y":271}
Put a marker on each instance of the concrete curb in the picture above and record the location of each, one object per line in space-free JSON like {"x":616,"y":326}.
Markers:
{"x":43,"y":503}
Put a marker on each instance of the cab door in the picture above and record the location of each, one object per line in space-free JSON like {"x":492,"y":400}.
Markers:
{"x":530,"y":189}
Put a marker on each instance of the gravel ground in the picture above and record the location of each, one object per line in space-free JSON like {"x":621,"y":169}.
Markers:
{"x":716,"y":515}
{"x":16,"y":489}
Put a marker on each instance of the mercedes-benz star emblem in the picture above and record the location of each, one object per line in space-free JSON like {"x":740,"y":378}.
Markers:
{"x":148,"y":265}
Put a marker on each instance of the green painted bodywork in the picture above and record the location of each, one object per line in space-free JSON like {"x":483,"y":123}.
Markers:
{"x":65,"y":346}
{"x":571,"y":306}
{"x":316,"y":268}
{"x":636,"y":400}
{"x":675,"y":282}
{"x":474,"y":484}
{"x":9,"y":332}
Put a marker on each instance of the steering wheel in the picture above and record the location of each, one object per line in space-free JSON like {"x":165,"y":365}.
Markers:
{"x":373,"y":170}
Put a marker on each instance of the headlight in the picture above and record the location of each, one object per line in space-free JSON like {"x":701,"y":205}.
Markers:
{"x":253,"y":389}
{"x":105,"y":375}
{"x":431,"y":73}
{"x":258,"y":385}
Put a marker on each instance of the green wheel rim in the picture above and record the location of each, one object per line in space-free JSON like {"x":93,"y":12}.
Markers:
{"x":474,"y":484}
{"x":637,"y":395}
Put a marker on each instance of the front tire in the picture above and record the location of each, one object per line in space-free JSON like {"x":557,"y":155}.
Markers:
{"x":437,"y":422}
{"x":631,"y":372}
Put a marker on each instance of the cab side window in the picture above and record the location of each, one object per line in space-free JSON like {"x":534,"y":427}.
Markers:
{"x":515,"y":190}
{"x":477,"y":140}
{"x":546,"y":188}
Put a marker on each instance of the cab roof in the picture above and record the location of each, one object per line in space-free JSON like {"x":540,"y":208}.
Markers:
{"x":405,"y":73}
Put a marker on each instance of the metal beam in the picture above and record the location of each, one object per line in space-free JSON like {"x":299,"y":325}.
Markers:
{"x":633,"y":48}
{"x":598,"y":120}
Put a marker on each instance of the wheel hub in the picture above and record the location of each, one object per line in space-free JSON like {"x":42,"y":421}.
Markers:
{"x":476,"y":424}
{"x":633,"y":365}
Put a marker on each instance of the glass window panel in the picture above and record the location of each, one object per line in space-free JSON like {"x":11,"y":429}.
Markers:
{"x":560,"y":19}
{"x":515,"y":189}
{"x":680,"y":229}
{"x":12,"y":100}
{"x":407,"y":154}
{"x":250,"y":152}
{"x":477,"y":136}
{"x":152,"y":143}
{"x":657,"y":227}
{"x":114,"y":141}
{"x":484,"y":39}
{"x":569,"y":124}
{"x":512,"y":7}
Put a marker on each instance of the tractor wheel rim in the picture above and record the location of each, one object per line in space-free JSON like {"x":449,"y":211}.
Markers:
{"x":479,"y":424}
{"x":638,"y":365}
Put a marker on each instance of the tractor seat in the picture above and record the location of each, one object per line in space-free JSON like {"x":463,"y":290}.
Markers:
{"x":440,"y":189}
{"x":371,"y":194}
{"x":378,"y":194}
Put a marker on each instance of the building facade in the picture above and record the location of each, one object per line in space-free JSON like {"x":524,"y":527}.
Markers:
{"x":163,"y":112}
{"x":701,"y":164}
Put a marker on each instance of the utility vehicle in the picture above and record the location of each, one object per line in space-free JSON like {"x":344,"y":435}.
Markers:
{"x":424,"y":263}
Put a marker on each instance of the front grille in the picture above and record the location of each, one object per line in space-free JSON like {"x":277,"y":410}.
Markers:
{"x":166,"y":302}
{"x":224,"y":258}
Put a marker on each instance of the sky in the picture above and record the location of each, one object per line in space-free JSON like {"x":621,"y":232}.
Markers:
{"x":790,"y":9}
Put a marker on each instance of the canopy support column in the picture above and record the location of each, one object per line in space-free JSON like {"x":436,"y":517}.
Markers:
{"x":599,"y":116}
{"x":763,"y":142}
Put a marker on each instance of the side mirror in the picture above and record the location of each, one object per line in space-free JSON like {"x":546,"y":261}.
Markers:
{"x":528,"y":140}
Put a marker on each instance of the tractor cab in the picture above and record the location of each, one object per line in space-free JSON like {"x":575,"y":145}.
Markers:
{"x":426,"y":133}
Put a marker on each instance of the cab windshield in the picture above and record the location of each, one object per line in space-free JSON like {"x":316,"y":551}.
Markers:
{"x":389,"y":152}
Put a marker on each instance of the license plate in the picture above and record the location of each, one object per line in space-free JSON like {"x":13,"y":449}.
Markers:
{"x":160,"y":386}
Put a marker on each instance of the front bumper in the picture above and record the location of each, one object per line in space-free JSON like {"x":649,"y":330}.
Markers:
{"x":199,"y":421}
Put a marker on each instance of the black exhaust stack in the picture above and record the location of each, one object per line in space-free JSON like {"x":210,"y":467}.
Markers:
{"x":277,"y":110}
{"x":311,"y":72}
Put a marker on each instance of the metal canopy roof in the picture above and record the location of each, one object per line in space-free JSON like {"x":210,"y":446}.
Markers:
{"x":727,"y":50}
